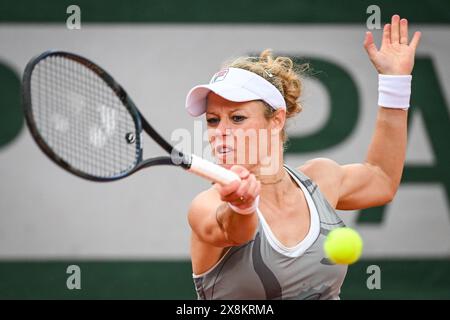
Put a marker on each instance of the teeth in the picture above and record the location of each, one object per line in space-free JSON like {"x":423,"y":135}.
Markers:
{"x":224,"y":149}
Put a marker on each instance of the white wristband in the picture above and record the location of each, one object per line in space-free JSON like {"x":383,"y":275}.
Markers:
{"x":248,"y":210}
{"x":394,"y":91}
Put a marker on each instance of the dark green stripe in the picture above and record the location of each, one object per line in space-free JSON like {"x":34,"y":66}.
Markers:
{"x":400,"y":279}
{"x":207,"y":11}
{"x":99,"y":280}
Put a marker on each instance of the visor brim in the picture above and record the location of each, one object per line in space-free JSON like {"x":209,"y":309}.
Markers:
{"x":197,"y":96}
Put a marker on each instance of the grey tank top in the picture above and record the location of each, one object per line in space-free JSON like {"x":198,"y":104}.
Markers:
{"x":264,"y":269}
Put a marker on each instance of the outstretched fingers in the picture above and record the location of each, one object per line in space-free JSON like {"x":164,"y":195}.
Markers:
{"x":386,"y":35}
{"x":395,"y":29}
{"x":415,"y":40}
{"x":369,"y":45}
{"x":403,"y":31}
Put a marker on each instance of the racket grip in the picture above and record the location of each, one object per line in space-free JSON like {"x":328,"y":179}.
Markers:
{"x":211,"y":171}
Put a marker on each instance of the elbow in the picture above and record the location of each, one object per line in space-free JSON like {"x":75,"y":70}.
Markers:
{"x":392,"y":188}
{"x":392,"y":194}
{"x":388,"y":198}
{"x":388,"y":185}
{"x":389,"y":193}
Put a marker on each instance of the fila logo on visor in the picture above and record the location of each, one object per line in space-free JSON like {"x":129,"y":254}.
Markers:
{"x":219,"y":76}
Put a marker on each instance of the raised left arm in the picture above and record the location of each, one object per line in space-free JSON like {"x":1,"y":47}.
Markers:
{"x":375,"y":182}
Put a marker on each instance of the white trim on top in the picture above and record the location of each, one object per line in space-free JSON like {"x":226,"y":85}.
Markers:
{"x":310,"y":238}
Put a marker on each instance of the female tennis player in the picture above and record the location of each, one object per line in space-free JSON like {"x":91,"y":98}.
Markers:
{"x":262,"y":237}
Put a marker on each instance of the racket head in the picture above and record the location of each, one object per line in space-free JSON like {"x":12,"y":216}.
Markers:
{"x":75,"y":125}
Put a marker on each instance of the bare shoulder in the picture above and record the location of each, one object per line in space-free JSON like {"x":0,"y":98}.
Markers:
{"x":327,"y":174}
{"x":317,"y":166}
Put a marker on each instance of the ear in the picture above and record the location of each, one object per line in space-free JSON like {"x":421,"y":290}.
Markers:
{"x":278,"y":120}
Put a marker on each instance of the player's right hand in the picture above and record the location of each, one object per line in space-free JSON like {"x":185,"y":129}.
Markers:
{"x":242,"y":193}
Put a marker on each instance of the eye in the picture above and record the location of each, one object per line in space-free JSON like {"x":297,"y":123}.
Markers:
{"x":212,"y":121}
{"x":237,"y":118}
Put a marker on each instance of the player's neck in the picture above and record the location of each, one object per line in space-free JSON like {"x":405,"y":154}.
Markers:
{"x":269,"y":169}
{"x":272,"y":179}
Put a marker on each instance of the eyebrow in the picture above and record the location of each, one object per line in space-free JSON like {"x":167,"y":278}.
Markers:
{"x":231,"y":111}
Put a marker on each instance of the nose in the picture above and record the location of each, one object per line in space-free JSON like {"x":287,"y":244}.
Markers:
{"x":223,"y":129}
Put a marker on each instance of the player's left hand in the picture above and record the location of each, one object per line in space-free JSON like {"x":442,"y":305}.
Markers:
{"x":396,"y":56}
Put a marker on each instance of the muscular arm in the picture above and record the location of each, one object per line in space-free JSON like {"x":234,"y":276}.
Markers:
{"x":213,"y":222}
{"x":375,"y":181}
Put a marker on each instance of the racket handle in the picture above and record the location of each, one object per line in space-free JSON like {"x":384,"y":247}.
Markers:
{"x":211,"y":171}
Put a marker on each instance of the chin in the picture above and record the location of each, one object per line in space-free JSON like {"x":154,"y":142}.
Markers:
{"x":225,"y":160}
{"x":227,"y":165}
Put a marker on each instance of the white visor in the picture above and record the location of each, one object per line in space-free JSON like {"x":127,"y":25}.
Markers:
{"x":236,"y":85}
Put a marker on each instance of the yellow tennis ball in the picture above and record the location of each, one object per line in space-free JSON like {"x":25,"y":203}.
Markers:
{"x":343,"y":246}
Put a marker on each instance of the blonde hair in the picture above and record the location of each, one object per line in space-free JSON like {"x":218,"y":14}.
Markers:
{"x":282,"y":73}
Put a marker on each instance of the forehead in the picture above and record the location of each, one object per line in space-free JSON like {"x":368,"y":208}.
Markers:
{"x":216,"y":103}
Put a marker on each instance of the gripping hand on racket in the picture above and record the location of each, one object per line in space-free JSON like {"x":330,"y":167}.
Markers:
{"x":242,"y":196}
{"x":224,"y":215}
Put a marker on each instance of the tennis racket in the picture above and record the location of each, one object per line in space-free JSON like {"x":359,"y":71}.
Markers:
{"x":84,"y":121}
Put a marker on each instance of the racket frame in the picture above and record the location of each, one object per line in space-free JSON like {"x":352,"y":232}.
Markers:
{"x":138,"y":119}
{"x":188,"y":162}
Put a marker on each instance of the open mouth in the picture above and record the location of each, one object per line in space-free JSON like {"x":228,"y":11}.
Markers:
{"x":223,"y":149}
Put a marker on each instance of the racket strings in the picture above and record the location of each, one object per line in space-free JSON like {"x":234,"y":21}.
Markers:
{"x":81,"y":118}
